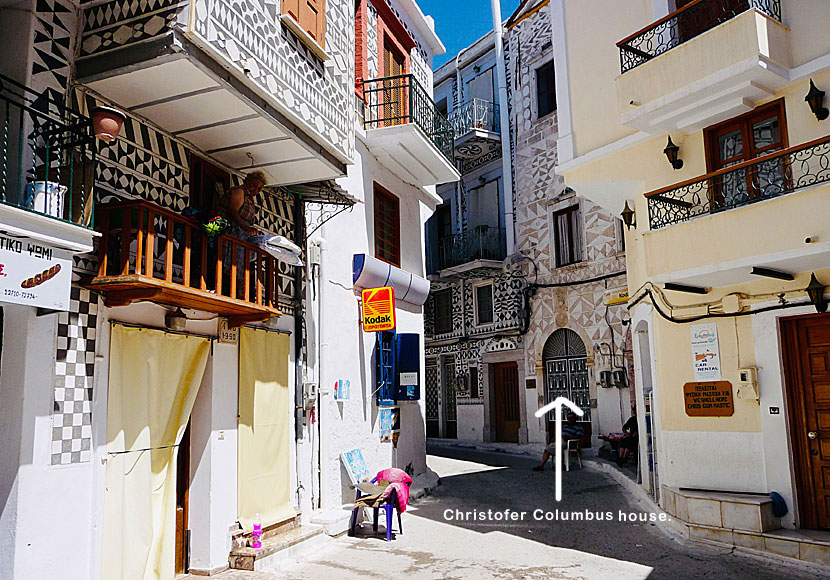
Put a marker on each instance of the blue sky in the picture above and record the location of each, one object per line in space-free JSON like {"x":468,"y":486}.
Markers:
{"x":459,"y":23}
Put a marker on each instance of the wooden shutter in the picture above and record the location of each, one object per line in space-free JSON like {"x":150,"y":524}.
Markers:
{"x":310,"y":15}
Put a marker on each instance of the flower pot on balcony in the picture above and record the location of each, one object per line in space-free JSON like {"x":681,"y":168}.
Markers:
{"x":107,"y":123}
{"x":46,"y":197}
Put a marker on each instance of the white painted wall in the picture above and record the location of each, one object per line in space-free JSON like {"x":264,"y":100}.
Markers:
{"x":470,"y":422}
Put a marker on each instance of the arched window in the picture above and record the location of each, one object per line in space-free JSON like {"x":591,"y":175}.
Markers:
{"x":566,"y":370}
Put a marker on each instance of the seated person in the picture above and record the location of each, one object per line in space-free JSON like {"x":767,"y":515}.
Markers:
{"x":570,"y":431}
{"x":239,"y":208}
{"x":628,"y":444}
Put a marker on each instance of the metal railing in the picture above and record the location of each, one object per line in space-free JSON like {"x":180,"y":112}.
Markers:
{"x":754,"y":180}
{"x":401,"y":100}
{"x":683,"y":25}
{"x":475,"y":114}
{"x":48,"y":155}
{"x":478,"y":243}
{"x":145,"y":240}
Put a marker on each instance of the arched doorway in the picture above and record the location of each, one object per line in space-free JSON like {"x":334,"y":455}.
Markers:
{"x":566,"y":372}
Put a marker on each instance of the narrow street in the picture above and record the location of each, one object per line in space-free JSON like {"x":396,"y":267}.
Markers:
{"x":433,"y":546}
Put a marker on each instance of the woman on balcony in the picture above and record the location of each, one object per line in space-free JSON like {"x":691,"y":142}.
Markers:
{"x":239,"y":208}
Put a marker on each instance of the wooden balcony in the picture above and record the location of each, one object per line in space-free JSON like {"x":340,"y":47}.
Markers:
{"x":150,"y":253}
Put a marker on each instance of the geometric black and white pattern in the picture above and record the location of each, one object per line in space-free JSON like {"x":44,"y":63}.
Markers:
{"x":74,"y":369}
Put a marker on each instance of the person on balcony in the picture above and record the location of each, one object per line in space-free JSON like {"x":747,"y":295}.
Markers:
{"x":238,"y":205}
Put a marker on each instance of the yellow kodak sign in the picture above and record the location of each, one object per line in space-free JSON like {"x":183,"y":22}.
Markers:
{"x":378,"y":309}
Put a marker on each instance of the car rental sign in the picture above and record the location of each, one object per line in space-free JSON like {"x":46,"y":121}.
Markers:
{"x":379,"y":309}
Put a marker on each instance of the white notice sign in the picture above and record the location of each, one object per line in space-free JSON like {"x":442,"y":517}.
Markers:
{"x":705,"y":355}
{"x":34,"y":274}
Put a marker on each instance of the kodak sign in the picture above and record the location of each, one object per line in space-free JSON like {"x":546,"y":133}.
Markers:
{"x":379,"y":309}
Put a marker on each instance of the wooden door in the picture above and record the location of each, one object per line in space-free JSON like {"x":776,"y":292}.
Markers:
{"x":506,"y":401}
{"x":806,"y":342}
{"x":182,"y":492}
{"x":394,"y":87}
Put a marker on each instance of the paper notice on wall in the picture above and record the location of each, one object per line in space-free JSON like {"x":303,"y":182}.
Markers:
{"x":705,"y":354}
{"x":34,"y":274}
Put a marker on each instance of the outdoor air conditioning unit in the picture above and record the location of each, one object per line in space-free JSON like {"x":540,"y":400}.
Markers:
{"x":620,"y":378}
{"x":605,"y":379}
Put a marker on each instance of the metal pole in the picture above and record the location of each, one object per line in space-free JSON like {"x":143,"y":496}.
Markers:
{"x":504,"y":110}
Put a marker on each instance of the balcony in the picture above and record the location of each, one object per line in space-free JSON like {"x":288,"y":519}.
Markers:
{"x":483,"y":247}
{"x":150,"y":253}
{"x":229,"y":78}
{"x":744,"y":216}
{"x":406,"y":132}
{"x":477,"y":129}
{"x":48,"y":154}
{"x":707,"y":62}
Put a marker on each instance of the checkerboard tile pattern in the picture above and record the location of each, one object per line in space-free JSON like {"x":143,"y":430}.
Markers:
{"x":74,"y":366}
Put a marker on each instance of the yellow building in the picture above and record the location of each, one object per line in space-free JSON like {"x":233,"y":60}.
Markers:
{"x":726,"y":232}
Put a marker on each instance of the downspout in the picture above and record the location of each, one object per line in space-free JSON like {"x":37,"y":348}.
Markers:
{"x":504,"y":116}
{"x":459,"y":99}
{"x":299,"y":239}
{"x":322,"y":449}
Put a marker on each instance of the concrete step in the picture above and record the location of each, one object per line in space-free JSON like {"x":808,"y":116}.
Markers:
{"x":729,"y":511}
{"x":807,"y":546}
{"x":276,"y":547}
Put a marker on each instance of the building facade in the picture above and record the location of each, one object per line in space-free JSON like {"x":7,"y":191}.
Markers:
{"x":699,"y":121}
{"x":169,"y":386}
{"x":512,"y":328}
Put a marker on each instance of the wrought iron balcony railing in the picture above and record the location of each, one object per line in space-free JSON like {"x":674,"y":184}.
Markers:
{"x":48,"y":154}
{"x":148,"y":252}
{"x":401,"y":100}
{"x":755,"y":180}
{"x":479,"y":243}
{"x":475,"y":114}
{"x":684,"y":24}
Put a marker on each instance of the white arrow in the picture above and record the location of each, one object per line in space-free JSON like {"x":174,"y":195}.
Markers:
{"x":556,"y":406}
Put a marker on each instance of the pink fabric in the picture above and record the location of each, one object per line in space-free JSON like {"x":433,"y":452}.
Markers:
{"x":399,"y":481}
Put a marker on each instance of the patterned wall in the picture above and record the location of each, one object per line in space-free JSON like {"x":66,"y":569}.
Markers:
{"x":52,"y":52}
{"x":372,"y":41}
{"x":248,"y":31}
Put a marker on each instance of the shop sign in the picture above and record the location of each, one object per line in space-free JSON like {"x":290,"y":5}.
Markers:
{"x":708,"y":399}
{"x":378,"y":309}
{"x":705,"y":355}
{"x":34,"y":274}
{"x":617,"y":296}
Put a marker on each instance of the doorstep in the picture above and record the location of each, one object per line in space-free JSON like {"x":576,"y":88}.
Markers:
{"x":804,"y":545}
{"x":279,"y":542}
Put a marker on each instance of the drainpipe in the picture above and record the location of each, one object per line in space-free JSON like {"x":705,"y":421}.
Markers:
{"x":504,"y":110}
{"x":322,"y":446}
{"x":459,"y":99}
{"x":299,"y":239}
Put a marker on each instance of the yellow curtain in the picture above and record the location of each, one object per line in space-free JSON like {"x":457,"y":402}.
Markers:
{"x":264,"y":428}
{"x":153,"y":381}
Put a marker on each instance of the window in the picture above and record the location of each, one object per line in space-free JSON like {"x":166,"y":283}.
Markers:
{"x":443,"y":311}
{"x":310,"y":15}
{"x":566,"y":236}
{"x":387,"y":227}
{"x":755,"y":134}
{"x":205,"y":180}
{"x":545,"y":90}
{"x":619,"y":232}
{"x":484,"y":304}
{"x":474,"y":390}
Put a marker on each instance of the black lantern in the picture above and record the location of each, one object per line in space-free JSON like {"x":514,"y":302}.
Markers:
{"x":671,"y":152}
{"x":628,"y":216}
{"x":816,"y":293}
{"x":815,"y":98}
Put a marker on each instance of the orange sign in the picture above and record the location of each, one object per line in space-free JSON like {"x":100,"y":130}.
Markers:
{"x":379,"y":309}
{"x":709,"y":399}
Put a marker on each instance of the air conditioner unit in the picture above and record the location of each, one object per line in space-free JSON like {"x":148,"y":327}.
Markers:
{"x":620,"y":378}
{"x":605,"y":379}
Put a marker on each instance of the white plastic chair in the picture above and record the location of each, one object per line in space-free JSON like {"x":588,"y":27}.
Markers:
{"x":572,"y":447}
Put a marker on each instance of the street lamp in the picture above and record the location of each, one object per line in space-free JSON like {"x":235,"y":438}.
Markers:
{"x":815,"y":98}
{"x":628,"y":216}
{"x":671,"y":152}
{"x":816,"y":293}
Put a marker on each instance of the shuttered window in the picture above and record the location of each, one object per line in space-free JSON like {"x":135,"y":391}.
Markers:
{"x":310,"y":15}
{"x":567,"y":236}
{"x":387,"y":227}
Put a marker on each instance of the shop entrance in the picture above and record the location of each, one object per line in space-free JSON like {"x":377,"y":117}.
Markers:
{"x":806,"y":344}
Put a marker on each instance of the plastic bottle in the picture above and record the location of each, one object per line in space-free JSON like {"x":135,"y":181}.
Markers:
{"x":256,"y":535}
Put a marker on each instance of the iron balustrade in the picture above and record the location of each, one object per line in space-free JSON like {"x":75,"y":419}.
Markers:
{"x":758,"y":179}
{"x":476,"y":114}
{"x":48,"y":155}
{"x":141,"y":239}
{"x":479,"y":243}
{"x":401,"y":100}
{"x":683,"y":25}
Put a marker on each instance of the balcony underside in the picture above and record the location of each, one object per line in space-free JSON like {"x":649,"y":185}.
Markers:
{"x":471,"y":270}
{"x":476,"y":143}
{"x":722,"y":73}
{"x":124,"y":290}
{"x":189,"y":95}
{"x":406,"y":151}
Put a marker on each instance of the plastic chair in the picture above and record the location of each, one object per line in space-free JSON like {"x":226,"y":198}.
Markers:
{"x":390,"y":504}
{"x":573,"y":447}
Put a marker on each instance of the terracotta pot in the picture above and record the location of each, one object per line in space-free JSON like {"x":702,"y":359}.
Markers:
{"x":107,"y":123}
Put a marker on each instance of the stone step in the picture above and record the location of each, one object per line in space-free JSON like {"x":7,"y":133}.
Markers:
{"x":275,"y":546}
{"x":812,"y":547}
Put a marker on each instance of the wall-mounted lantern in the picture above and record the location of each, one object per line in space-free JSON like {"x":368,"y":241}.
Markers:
{"x":816,"y":293}
{"x":671,"y":152}
{"x":107,"y":123}
{"x":629,"y":218}
{"x":815,"y":98}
